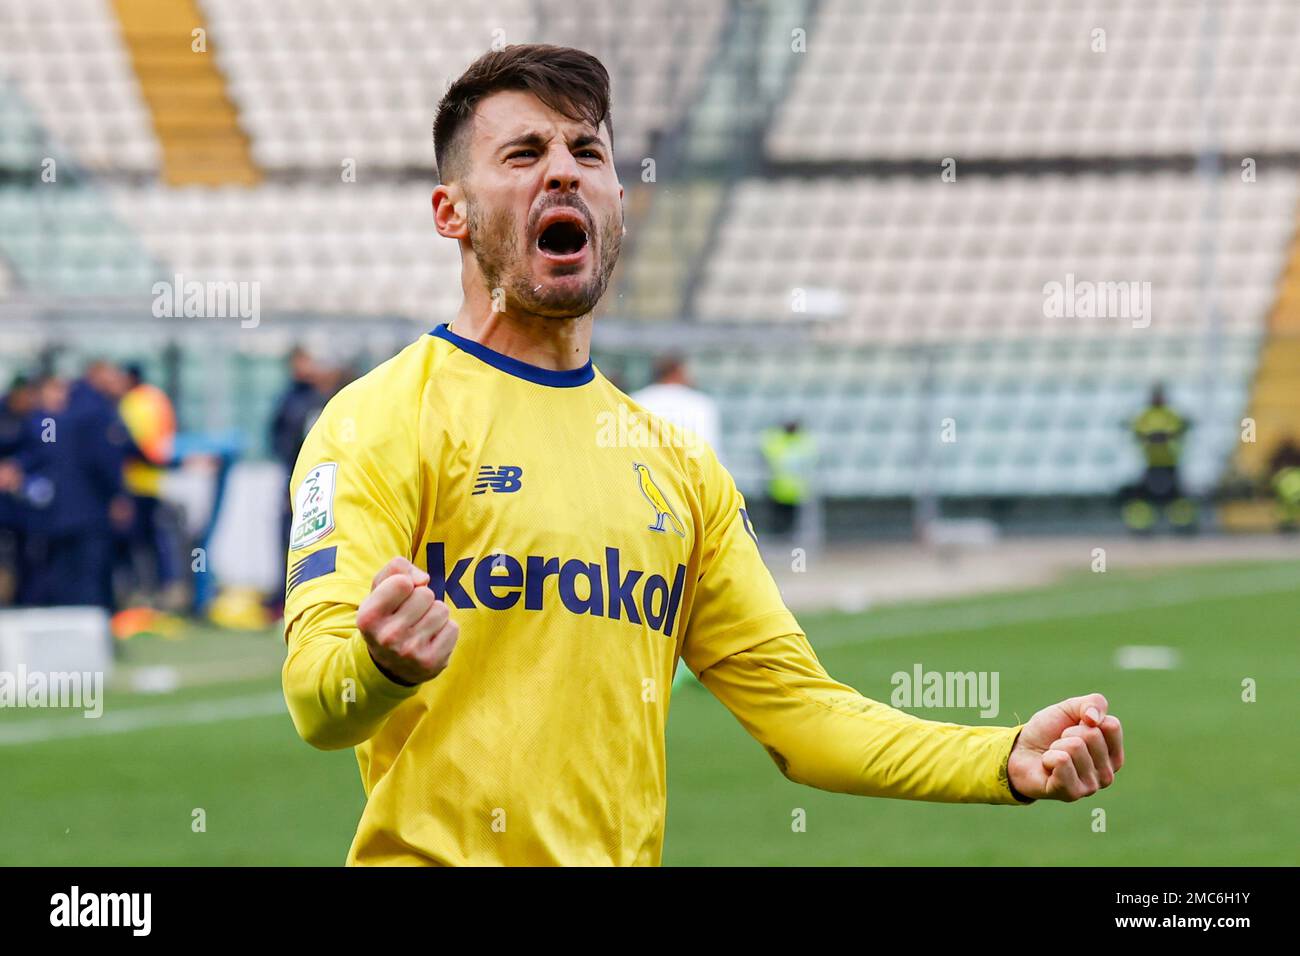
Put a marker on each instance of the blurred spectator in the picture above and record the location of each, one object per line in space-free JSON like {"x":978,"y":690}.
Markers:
{"x":1284,"y":472}
{"x":150,"y":544}
{"x":310,"y":387}
{"x":18,"y":403}
{"x":791,"y":455}
{"x":70,"y":462}
{"x":1159,"y":431}
{"x":297,"y":408}
{"x":673,"y":398}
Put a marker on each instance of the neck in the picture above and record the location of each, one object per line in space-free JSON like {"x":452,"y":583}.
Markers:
{"x":555,"y":344}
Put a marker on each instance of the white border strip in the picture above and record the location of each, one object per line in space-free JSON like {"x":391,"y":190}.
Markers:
{"x":142,"y":718}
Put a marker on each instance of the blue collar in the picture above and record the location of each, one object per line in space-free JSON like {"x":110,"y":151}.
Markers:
{"x":567,"y":378}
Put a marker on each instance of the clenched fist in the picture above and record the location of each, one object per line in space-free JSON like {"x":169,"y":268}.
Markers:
{"x":1067,"y":751}
{"x":410,"y":633}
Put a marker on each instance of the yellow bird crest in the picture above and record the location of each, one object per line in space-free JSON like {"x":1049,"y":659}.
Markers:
{"x":658,"y":501}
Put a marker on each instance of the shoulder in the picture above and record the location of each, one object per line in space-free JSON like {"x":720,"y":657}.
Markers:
{"x":688,"y":454}
{"x":387,"y":398}
{"x":377,"y":416}
{"x":657,"y":416}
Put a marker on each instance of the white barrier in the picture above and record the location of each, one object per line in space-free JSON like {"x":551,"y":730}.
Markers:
{"x":55,"y":639}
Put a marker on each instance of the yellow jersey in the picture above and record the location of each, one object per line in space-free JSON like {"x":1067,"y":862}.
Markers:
{"x":583,"y":546}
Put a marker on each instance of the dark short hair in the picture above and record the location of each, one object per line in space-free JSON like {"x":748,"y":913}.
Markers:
{"x":666,"y":365}
{"x":571,"y":82}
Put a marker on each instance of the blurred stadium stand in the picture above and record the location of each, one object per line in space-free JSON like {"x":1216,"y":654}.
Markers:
{"x":778,"y":177}
{"x":987,"y":79}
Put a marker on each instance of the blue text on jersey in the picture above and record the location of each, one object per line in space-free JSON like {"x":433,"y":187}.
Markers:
{"x":499,"y":581}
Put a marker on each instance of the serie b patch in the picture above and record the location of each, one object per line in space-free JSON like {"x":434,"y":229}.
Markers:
{"x":313,"y":506}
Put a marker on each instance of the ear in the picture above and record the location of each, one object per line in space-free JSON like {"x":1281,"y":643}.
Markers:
{"x":450,"y":212}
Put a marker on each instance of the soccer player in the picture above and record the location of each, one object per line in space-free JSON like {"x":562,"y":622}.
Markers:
{"x":487,"y":596}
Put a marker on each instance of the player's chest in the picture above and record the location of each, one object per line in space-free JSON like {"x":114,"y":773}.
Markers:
{"x":550,"y":494}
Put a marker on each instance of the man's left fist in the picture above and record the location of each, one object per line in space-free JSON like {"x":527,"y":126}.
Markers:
{"x":1067,"y":751}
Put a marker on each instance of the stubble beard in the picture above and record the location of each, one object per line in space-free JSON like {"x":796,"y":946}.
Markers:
{"x":502,"y":260}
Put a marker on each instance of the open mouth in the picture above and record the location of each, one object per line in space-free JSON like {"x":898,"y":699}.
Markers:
{"x":562,"y":238}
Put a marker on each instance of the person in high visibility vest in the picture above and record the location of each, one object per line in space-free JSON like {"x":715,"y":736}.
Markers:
{"x":151,"y":421}
{"x":790,"y":453}
{"x":1159,"y":432}
{"x":1284,"y":470}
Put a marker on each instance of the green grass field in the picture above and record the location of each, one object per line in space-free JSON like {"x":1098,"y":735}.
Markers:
{"x":1211,"y":780}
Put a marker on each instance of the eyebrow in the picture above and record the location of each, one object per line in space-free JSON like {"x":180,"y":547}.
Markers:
{"x":534,"y":138}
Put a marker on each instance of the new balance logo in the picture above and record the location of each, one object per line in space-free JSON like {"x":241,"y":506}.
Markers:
{"x":502,"y":480}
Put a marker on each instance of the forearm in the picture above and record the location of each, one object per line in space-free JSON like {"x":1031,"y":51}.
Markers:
{"x":336,"y":694}
{"x":825,"y":734}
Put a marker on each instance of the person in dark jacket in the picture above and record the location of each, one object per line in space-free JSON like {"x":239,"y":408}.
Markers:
{"x":295,"y":413}
{"x":71,"y":458}
{"x":17,"y":403}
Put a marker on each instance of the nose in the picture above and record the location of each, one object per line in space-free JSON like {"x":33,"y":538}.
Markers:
{"x":563,"y":174}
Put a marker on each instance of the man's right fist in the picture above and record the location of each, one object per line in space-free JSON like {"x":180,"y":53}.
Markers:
{"x":410,"y":633}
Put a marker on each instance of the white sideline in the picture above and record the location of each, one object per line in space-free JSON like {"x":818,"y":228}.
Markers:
{"x":1039,"y":608}
{"x":142,"y":718}
{"x":922,"y":621}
